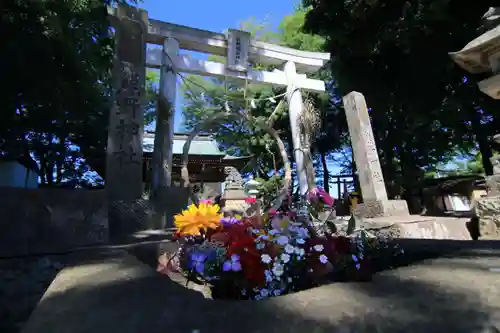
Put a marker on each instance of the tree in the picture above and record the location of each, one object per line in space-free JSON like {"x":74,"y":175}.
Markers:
{"x":56,"y":64}
{"x":205,"y":97}
{"x":396,"y":54}
{"x":152,"y":81}
{"x":236,"y":139}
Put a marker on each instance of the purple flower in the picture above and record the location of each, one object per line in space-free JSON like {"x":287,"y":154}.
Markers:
{"x":232,"y":264}
{"x":198,"y":262}
{"x":229,"y":221}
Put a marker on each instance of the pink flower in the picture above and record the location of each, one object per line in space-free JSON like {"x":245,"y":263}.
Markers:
{"x":272,"y":212}
{"x":319,"y":194}
{"x":208,"y":202}
{"x":250,"y":200}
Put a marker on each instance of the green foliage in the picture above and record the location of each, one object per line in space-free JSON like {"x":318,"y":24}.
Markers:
{"x":351,"y":225}
{"x":292,"y":35}
{"x":55,"y":64}
{"x":205,"y":96}
{"x":396,"y":54}
{"x":269,"y":189}
{"x":152,"y":81}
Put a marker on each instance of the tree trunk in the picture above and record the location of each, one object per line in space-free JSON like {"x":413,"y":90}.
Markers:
{"x":326,"y":173}
{"x":43,"y":179}
{"x":482,"y":141}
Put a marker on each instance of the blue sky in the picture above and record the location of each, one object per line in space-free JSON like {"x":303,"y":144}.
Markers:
{"x":217,"y":16}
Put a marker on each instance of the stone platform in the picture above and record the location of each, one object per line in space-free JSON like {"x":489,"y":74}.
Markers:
{"x":421,"y":227}
{"x":114,"y":292}
{"x":381,"y":208}
{"x":416,"y":227}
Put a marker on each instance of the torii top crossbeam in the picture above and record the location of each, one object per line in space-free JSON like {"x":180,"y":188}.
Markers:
{"x":216,"y":43}
{"x":205,"y":41}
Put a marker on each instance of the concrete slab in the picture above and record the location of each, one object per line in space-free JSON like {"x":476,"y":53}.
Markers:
{"x":117,"y":293}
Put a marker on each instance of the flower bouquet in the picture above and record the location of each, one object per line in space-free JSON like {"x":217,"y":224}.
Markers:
{"x":266,"y":254}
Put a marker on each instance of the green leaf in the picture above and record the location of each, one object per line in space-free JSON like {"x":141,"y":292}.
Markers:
{"x":351,"y":225}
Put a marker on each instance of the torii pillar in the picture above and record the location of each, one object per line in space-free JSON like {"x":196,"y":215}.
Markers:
{"x":124,"y":151}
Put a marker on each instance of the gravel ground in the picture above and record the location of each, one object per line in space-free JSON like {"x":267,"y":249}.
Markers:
{"x":23,"y":282}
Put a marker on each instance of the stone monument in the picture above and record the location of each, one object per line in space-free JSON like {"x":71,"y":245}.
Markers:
{"x":493,"y":182}
{"x":124,"y":150}
{"x":375,"y":200}
{"x":482,"y":55}
{"x":487,"y":209}
{"x":234,"y":195}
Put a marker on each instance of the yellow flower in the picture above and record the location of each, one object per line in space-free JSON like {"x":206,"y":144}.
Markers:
{"x":192,"y":220}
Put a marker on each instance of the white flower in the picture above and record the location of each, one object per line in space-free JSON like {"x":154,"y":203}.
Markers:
{"x":300,"y":241}
{"x":289,"y":249}
{"x":266,"y":258}
{"x":285,"y":257}
{"x":323,"y":259}
{"x":300,"y":251}
{"x":278,"y":270}
{"x":264,"y":293}
{"x":318,"y":247}
{"x":260,"y":246}
{"x":282,"y":240}
{"x":276,"y":292}
{"x":269,"y":276}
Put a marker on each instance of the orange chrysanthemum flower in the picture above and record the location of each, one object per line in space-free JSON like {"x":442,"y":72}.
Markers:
{"x":192,"y":220}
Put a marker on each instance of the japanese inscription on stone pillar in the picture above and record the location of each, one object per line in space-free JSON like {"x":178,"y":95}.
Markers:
{"x":364,"y":148}
{"x":124,"y":152}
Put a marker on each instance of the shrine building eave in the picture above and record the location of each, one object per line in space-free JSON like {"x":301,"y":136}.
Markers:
{"x":203,"y":150}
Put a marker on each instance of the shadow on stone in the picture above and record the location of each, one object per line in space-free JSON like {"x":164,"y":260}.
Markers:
{"x":117,"y":293}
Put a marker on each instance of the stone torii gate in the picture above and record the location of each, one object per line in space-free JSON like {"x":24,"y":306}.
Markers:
{"x":133,"y":30}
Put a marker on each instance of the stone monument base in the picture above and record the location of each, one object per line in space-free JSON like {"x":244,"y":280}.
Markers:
{"x":493,"y":184}
{"x":381,"y":208}
{"x":487,"y":211}
{"x":234,"y":200}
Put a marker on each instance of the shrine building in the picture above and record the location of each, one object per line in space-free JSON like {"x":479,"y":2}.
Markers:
{"x":206,"y":161}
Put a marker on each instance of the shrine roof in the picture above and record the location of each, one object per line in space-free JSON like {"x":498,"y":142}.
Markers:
{"x":201,"y":145}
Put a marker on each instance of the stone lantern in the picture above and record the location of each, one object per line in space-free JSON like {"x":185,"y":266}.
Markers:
{"x":482,"y":55}
{"x":251,"y":188}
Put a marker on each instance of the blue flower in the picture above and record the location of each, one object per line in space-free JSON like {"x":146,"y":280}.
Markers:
{"x":232,"y":264}
{"x":229,"y":221}
{"x":198,"y":262}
